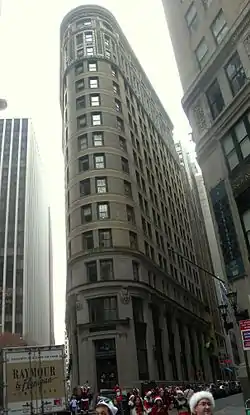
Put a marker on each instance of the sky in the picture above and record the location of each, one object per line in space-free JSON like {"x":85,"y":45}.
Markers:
{"x":29,"y":79}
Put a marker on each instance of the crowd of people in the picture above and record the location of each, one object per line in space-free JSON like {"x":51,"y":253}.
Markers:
{"x":156,"y":401}
{"x":151,"y":400}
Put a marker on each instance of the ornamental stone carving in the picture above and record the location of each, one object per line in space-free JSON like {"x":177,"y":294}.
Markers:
{"x":200,"y":118}
{"x":125,"y":296}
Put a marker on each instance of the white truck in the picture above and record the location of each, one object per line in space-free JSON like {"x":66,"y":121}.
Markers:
{"x":33,"y":380}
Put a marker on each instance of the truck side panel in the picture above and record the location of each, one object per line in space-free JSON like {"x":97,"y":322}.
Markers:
{"x":34,"y":380}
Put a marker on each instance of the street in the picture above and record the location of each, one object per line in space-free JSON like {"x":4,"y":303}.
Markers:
{"x":233,"y":405}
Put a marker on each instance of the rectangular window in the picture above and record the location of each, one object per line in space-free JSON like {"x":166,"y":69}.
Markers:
{"x":137,"y":304}
{"x":80,"y":102}
{"x":91,"y":270}
{"x":136,"y":270}
{"x":87,"y":240}
{"x":119,"y":124}
{"x":236,"y":143}
{"x":83,"y":163}
{"x":82,"y":142}
{"x":215,"y":99}
{"x":235,"y":73}
{"x":219,"y":27}
{"x":130,"y":214}
{"x":123,"y":144}
{"x":101,"y":185}
{"x":80,"y":53}
{"x":85,"y":187}
{"x":113,"y":71}
{"x":79,"y":68}
{"x":118,"y":105}
{"x":125,"y":165}
{"x":89,"y":51}
{"x":81,"y":121}
{"x":98,"y":140}
{"x":95,"y":100}
{"x":127,"y":189}
{"x":96,"y":118}
{"x":105,"y":238}
{"x":107,"y":41}
{"x":93,"y":83}
{"x":79,"y":39}
{"x":79,"y":85}
{"x":86,"y":213}
{"x":83,"y":23}
{"x":88,"y":37}
{"x":192,"y":18}
{"x":103,"y":309}
{"x":201,"y":52}
{"x":99,"y":161}
{"x":116,"y":88}
{"x":103,"y":211}
{"x":92,"y":66}
{"x":106,"y":269}
{"x":133,"y":240}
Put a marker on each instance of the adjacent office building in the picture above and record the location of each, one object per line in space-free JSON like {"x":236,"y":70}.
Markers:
{"x":211,"y":40}
{"x":25,"y":237}
{"x":135,"y":308}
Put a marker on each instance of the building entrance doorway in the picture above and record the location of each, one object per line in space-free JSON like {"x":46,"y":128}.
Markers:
{"x":106,"y":365}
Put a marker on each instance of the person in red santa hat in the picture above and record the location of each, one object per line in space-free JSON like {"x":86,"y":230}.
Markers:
{"x":158,"y":407}
{"x":148,"y":402}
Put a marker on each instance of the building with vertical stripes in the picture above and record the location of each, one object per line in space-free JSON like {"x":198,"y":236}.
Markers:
{"x":26,"y":296}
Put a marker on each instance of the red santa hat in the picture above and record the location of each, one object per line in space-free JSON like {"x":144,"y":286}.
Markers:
{"x":158,"y":398}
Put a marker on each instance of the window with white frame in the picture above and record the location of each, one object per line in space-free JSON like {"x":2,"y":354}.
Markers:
{"x":98,"y":139}
{"x":235,"y":73}
{"x":103,"y":210}
{"x":92,"y":66}
{"x":93,"y":83}
{"x":236,"y":144}
{"x":88,"y":37}
{"x":219,"y":27}
{"x":95,"y":100}
{"x":99,"y":161}
{"x":90,"y":51}
{"x":192,"y":18}
{"x":202,"y":52}
{"x":96,"y":118}
{"x":101,"y":185}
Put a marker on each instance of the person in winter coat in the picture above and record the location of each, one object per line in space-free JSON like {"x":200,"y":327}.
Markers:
{"x":202,"y":403}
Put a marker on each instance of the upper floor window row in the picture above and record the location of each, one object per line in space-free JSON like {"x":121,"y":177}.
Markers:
{"x":219,"y":27}
{"x":96,"y":120}
{"x":237,"y":78}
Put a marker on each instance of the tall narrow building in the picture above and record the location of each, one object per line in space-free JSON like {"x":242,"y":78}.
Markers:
{"x":135,"y":309}
{"x":211,"y":41}
{"x":25,"y":239}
